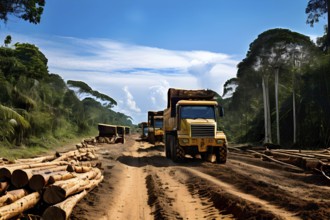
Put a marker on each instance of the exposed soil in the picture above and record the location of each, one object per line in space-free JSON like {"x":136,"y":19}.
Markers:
{"x":140,"y":183}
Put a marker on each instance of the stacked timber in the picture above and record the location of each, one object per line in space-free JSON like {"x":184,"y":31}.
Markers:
{"x":59,"y":181}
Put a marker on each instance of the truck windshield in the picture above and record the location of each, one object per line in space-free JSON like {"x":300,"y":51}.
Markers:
{"x":158,"y":123}
{"x":194,"y":111}
{"x":145,"y":131}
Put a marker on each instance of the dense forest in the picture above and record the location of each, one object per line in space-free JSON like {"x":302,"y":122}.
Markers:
{"x":37,"y":107}
{"x":281,"y":94}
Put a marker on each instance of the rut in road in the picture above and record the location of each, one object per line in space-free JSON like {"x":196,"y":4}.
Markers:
{"x":171,"y":199}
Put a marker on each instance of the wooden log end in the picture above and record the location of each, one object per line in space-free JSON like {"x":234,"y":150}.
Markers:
{"x":54,"y":194}
{"x":5,"y":173}
{"x":37,"y":182}
{"x":19,"y":178}
{"x":54,"y":213}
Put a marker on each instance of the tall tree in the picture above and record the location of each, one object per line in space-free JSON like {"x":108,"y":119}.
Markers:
{"x":272,"y":49}
{"x":30,"y":10}
{"x":315,"y":9}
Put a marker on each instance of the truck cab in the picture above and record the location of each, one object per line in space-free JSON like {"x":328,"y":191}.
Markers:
{"x":190,"y":124}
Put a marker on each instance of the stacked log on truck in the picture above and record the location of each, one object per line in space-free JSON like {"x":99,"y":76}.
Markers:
{"x":191,"y":123}
{"x":55,"y":183}
{"x":155,"y":126}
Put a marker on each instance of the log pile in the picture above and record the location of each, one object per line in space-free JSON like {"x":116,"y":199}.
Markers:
{"x":58,"y":182}
{"x":294,"y":160}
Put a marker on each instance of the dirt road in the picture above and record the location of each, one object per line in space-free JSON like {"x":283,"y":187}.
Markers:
{"x":140,"y":183}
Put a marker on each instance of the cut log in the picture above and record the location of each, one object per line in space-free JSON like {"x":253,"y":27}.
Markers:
{"x":65,"y":175}
{"x":64,"y":209}
{"x":19,"y":206}
{"x":6,"y":172}
{"x":3,"y":187}
{"x":67,"y":155}
{"x":37,"y":159}
{"x":57,"y":193}
{"x":39,"y":180}
{"x":12,"y":196}
{"x":79,"y":169}
{"x":60,"y":190}
{"x":21,"y":177}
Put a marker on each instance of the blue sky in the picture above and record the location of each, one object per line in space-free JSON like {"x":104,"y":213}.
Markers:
{"x":135,"y":50}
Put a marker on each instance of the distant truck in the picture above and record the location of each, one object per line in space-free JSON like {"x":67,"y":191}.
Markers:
{"x":113,"y":133}
{"x":190,"y":125}
{"x":144,"y":131}
{"x":155,"y":126}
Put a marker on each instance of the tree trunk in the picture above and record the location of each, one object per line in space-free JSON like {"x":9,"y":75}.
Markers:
{"x":277,"y":109}
{"x":294,"y":117}
{"x":328,"y":32}
{"x":64,"y":209}
{"x":266,"y":109}
{"x":19,"y":206}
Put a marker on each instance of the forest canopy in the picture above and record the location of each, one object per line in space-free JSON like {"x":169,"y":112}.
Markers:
{"x":303,"y":76}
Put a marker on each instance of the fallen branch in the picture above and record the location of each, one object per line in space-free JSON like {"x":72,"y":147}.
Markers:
{"x":285,"y":165}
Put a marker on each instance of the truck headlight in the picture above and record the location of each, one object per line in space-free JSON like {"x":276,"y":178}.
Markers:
{"x":219,"y":141}
{"x":185,"y":141}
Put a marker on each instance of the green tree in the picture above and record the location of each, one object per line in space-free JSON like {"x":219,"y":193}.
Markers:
{"x":272,"y":49}
{"x":28,"y":10}
{"x":315,"y":9}
{"x":7,"y":40}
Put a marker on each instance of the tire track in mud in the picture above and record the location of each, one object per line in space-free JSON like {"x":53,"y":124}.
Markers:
{"x":299,"y":193}
{"x":232,"y":200}
{"x":170,"y":198}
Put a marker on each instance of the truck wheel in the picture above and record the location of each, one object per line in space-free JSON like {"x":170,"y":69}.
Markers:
{"x":167,"y":146}
{"x":151,"y":137}
{"x":176,"y":151}
{"x":221,"y":155}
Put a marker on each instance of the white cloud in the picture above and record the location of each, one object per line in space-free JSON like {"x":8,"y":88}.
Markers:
{"x":137,"y":77}
{"x":130,"y":102}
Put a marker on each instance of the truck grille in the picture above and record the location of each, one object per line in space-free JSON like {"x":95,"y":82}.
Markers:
{"x":202,"y":131}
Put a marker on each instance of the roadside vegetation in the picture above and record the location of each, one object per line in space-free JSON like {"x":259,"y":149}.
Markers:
{"x":39,"y":110}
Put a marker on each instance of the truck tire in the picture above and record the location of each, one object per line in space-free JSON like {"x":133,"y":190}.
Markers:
{"x":221,"y":155}
{"x":177,"y":153}
{"x":151,"y":138}
{"x":167,"y":146}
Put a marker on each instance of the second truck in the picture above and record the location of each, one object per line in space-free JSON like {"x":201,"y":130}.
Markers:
{"x":191,"y":125}
{"x":155,"y":126}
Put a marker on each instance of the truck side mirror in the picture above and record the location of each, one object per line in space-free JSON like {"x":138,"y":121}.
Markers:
{"x":221,"y":111}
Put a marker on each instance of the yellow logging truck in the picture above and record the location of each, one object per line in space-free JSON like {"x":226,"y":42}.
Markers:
{"x":190,"y":125}
{"x":155,"y":126}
